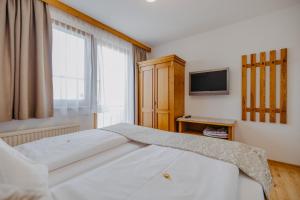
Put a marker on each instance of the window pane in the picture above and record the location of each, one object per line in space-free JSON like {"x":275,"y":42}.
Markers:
{"x":72,"y":89}
{"x":68,"y":59}
{"x":81,"y":88}
{"x":56,"y":84}
{"x":112,"y":83}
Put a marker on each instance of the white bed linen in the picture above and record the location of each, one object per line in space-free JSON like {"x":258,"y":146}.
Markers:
{"x":249,"y":189}
{"x":59,"y":151}
{"x":19,"y":174}
{"x":139,"y":175}
{"x":77,"y":168}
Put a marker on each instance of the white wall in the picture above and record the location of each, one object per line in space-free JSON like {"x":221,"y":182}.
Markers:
{"x":223,"y":48}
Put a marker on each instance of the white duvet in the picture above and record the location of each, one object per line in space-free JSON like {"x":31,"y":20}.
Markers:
{"x":59,"y":151}
{"x":154,"y":172}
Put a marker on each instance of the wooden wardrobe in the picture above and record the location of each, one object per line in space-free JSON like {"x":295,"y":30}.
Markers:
{"x":161,"y":92}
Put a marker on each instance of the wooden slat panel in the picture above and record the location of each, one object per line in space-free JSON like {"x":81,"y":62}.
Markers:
{"x":253,"y":88}
{"x":272,"y":86}
{"x":267,"y":110}
{"x":283,"y":86}
{"x":262,"y":116}
{"x":244,"y":87}
{"x":277,"y":62}
{"x":261,"y":109}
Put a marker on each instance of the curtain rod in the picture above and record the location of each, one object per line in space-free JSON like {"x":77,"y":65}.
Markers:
{"x":94,"y":22}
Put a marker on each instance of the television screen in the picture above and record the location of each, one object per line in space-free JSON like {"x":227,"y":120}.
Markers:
{"x":209,"y":82}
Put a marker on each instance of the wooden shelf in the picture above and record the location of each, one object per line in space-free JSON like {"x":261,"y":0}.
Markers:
{"x":194,"y":132}
{"x":208,"y":120}
{"x":196,"y":125}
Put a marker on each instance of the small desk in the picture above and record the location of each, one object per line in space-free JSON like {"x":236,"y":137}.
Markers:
{"x":196,"y":125}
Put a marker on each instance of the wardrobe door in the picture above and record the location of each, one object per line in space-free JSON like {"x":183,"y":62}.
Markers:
{"x":146,"y":96}
{"x":162,"y":110}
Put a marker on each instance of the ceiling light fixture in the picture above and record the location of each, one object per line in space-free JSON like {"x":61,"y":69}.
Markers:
{"x":150,"y":1}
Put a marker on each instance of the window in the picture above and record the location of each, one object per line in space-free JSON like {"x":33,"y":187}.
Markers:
{"x":68,"y":66}
{"x":92,"y":73}
{"x":71,"y":69}
{"x":114,"y":85}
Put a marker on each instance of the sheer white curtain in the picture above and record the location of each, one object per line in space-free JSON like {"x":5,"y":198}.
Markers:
{"x":71,"y":69}
{"x":110,"y":91}
{"x":115,"y":84}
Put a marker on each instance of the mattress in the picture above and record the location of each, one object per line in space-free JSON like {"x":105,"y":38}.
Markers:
{"x":97,"y":150}
{"x":247,"y":188}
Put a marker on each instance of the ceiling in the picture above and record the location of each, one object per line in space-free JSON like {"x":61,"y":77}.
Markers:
{"x":167,"y":20}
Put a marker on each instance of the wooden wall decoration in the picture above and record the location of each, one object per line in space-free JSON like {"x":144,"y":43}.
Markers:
{"x":260,"y":66}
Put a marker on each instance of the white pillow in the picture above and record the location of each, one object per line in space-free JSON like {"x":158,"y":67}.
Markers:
{"x":18,"y":171}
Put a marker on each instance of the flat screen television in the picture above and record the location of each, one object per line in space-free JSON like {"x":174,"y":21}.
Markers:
{"x":209,"y":82}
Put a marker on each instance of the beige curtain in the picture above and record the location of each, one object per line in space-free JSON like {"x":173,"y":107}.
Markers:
{"x":139,"y":55}
{"x":25,"y":60}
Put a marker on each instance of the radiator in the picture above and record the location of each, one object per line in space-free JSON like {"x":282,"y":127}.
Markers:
{"x":23,"y":136}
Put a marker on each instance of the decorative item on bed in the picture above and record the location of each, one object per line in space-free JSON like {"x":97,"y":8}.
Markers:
{"x":262,"y":65}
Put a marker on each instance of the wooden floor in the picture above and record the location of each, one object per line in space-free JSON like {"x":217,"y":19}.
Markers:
{"x":286,"y":181}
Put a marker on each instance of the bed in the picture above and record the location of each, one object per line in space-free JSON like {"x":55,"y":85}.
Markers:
{"x":101,"y":164}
